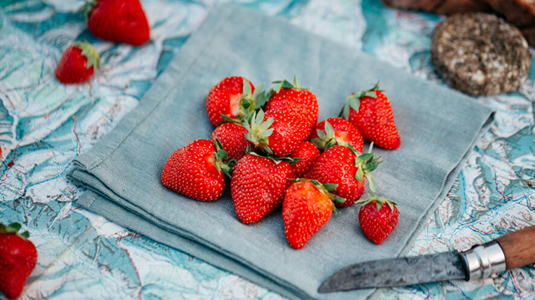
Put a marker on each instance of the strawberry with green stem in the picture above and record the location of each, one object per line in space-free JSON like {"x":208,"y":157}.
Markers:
{"x":347,"y":168}
{"x":78,"y":63}
{"x":290,"y":115}
{"x":307,"y":207}
{"x":18,"y":257}
{"x":257,"y":186}
{"x":233,"y":99}
{"x":370,"y":111}
{"x":337,"y":131}
{"x":120,"y":21}
{"x":377,"y":217}
{"x":197,"y":170}
{"x":232,"y":139}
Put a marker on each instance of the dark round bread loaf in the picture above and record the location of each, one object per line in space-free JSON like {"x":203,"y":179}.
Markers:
{"x":442,"y":7}
{"x":520,"y":13}
{"x":480,"y":54}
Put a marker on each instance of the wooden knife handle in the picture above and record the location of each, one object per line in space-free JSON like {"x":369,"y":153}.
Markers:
{"x":518,"y":247}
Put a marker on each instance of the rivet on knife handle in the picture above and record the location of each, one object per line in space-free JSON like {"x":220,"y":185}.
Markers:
{"x":483,"y":260}
{"x":510,"y":251}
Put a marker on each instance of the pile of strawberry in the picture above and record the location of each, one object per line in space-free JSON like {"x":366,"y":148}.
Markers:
{"x":269,"y":145}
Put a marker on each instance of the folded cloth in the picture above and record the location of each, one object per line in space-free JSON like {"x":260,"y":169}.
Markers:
{"x":122,"y":172}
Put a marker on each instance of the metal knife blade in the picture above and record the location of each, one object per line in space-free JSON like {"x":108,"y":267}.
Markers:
{"x":397,"y":272}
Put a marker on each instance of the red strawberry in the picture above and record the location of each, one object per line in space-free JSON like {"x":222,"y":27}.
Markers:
{"x":340,"y":165}
{"x":78,"y":63}
{"x":18,"y":258}
{"x":371,"y":113}
{"x":232,"y":138}
{"x":307,"y":154}
{"x":337,"y":131}
{"x":196,"y":170}
{"x":257,"y":186}
{"x":232,"y":99}
{"x":377,"y":220}
{"x":290,"y":115}
{"x":120,"y":21}
{"x":307,"y":206}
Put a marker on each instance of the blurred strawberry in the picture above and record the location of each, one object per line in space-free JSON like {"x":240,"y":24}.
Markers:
{"x":120,"y":21}
{"x":18,"y":257}
{"x":77,"y":64}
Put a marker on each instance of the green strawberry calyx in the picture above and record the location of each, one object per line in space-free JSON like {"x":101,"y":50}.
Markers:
{"x":366,"y":163}
{"x":326,"y":138}
{"x":86,"y":9}
{"x":223,"y":164}
{"x":258,"y":131}
{"x":353,"y":101}
{"x":276,"y":159}
{"x":93,"y":58}
{"x":285,"y":84}
{"x":379,"y":201}
{"x":250,"y":102}
{"x":14,"y":228}
{"x":325,"y":188}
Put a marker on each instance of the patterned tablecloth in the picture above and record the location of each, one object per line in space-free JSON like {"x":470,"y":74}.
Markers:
{"x":44,"y":125}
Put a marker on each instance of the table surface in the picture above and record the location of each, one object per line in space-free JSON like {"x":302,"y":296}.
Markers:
{"x":44,"y":125}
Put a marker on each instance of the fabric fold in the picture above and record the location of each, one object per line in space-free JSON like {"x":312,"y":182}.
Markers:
{"x":122,"y":172}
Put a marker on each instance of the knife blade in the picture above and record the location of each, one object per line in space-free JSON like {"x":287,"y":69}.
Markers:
{"x":396,"y":272}
{"x":507,"y":252}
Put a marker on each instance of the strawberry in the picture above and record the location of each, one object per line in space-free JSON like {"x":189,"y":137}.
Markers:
{"x":307,"y":206}
{"x":348,"y":169}
{"x":233,"y":99}
{"x":78,"y":63}
{"x":290,"y":115}
{"x":377,"y":220}
{"x":370,"y":111}
{"x":18,"y":258}
{"x":257,"y":186}
{"x":337,"y":131}
{"x":197,"y":169}
{"x":120,"y":21}
{"x":232,"y":138}
{"x":307,"y":154}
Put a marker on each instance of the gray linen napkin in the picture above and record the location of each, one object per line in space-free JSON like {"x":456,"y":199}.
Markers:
{"x":122,"y":172}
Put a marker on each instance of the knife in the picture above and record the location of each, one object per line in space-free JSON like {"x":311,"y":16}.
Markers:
{"x":507,"y":252}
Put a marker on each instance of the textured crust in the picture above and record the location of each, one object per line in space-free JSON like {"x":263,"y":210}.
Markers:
{"x":441,"y":7}
{"x":521,"y":13}
{"x":480,"y":54}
